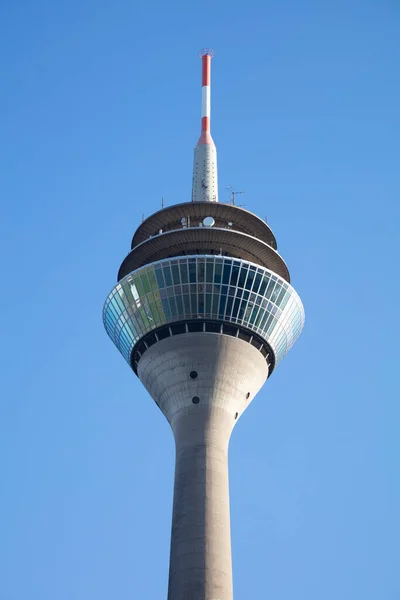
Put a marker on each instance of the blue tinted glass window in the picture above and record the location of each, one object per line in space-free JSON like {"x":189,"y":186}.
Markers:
{"x":280,"y":297}
{"x":186,"y":304}
{"x":193,"y":300}
{"x":175,"y":274}
{"x":166,"y":308}
{"x":160,"y":278}
{"x":257,"y":282}
{"x":179,"y":305}
{"x":229,"y":306}
{"x":209,"y":270}
{"x":192,"y":272}
{"x":200,"y":271}
{"x":167,"y":275}
{"x":275,"y":292}
{"x":172,"y":304}
{"x":226,"y":272}
{"x":235,"y":310}
{"x":270,"y":288}
{"x":235,"y":274}
{"x":250,"y":278}
{"x":184,"y":272}
{"x":222,"y":304}
{"x":218,"y":272}
{"x":215,"y":303}
{"x":242,"y":276}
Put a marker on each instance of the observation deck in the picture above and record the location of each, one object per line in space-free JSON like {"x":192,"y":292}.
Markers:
{"x":203,"y":267}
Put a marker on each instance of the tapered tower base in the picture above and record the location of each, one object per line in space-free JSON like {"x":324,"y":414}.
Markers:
{"x":202,"y":382}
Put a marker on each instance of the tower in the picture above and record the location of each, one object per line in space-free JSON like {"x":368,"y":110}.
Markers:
{"x":203,"y":312}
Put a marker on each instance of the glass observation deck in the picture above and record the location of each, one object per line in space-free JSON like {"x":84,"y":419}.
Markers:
{"x":220,"y":289}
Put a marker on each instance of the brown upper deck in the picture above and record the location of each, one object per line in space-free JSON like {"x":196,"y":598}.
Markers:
{"x":226,"y":216}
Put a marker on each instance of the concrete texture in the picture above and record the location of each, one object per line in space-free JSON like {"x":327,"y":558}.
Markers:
{"x":229,"y":374}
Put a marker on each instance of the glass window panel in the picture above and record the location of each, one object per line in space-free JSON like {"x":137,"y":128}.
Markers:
{"x":208,"y":303}
{"x":152,"y":279}
{"x":160,"y":278}
{"x":209,"y":270}
{"x":257,"y":282}
{"x":145,"y":282}
{"x":193,"y":300}
{"x":172,"y":304}
{"x":253,"y":315}
{"x":235,"y":310}
{"x":192,"y":272}
{"x":235,"y":274}
{"x":250,"y":278}
{"x":242,"y":276}
{"x":167,"y":274}
{"x":280,"y":297}
{"x":275,"y":292}
{"x":226,"y":272}
{"x":184,"y":272}
{"x":166,"y":308}
{"x":222,"y":304}
{"x":201,"y":303}
{"x":229,"y":304}
{"x":218,"y":272}
{"x":186,"y":304}
{"x":175,"y":274}
{"x":179,"y":305}
{"x":270,"y":288}
{"x":232,"y":290}
{"x":215,"y":303}
{"x":264,"y":319}
{"x":200,"y":270}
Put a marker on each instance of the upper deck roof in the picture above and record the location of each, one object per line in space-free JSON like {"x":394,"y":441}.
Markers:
{"x":226,"y":216}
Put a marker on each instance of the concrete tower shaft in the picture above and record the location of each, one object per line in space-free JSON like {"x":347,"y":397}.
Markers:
{"x":203,"y":312}
{"x":202,"y":383}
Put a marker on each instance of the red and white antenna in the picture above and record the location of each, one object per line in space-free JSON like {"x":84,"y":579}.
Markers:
{"x":205,"y":179}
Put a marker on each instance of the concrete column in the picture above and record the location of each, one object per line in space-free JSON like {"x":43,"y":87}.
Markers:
{"x":200,"y":560}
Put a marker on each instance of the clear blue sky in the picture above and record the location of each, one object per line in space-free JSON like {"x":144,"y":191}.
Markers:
{"x":100,"y":111}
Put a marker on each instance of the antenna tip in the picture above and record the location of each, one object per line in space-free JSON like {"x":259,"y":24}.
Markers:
{"x":206,"y":52}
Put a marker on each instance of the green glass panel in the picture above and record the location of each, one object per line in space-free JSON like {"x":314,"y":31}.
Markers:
{"x":152,"y":280}
{"x":138,"y":285}
{"x":145,"y":282}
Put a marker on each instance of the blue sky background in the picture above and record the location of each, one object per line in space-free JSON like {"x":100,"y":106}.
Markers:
{"x":100,"y":112}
